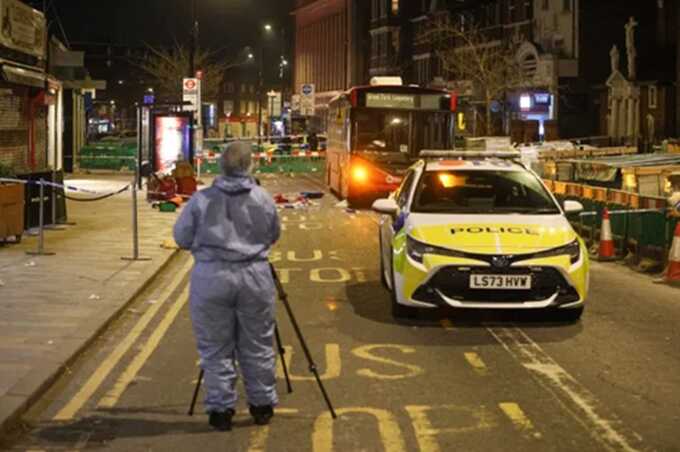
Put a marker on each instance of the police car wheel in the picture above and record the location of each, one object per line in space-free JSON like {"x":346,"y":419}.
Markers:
{"x":399,"y":311}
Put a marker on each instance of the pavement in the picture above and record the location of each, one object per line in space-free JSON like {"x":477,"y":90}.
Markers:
{"x":52,"y":307}
{"x":482,"y":381}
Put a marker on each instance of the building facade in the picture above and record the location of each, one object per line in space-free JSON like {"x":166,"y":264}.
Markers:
{"x":563,"y":54}
{"x":330,"y":36}
{"x":25,"y":92}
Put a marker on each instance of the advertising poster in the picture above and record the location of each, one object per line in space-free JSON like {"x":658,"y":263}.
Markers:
{"x":172,"y":141}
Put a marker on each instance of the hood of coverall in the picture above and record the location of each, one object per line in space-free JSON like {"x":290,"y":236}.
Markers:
{"x":236,"y":184}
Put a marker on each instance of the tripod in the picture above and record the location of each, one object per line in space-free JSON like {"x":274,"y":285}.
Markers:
{"x":312,"y":366}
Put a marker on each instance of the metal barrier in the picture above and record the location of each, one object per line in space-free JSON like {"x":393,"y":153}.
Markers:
{"x":640,"y":224}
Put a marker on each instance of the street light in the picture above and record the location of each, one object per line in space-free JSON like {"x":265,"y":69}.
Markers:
{"x":267,"y":29}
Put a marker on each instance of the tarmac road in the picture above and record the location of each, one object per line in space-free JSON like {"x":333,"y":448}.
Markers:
{"x":447,"y":381}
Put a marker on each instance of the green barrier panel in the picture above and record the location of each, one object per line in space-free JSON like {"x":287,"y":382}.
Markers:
{"x":111,"y":163}
{"x":653,"y":229}
{"x":290,"y":165}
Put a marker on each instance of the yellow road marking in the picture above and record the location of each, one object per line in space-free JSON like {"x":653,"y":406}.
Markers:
{"x":105,"y":368}
{"x":114,"y":394}
{"x":333,"y":364}
{"x":426,"y":434}
{"x":446,"y":324}
{"x":519,"y":419}
{"x":578,"y":401}
{"x":367,"y":352}
{"x":258,"y":439}
{"x":259,"y":436}
{"x":388,"y":427}
{"x":476,"y":362}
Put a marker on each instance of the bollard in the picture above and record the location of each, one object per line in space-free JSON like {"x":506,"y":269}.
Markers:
{"x":135,"y":227}
{"x":41,"y":222}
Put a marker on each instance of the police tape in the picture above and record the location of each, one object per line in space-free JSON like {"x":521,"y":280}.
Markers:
{"x":622,"y":212}
{"x":99,"y":195}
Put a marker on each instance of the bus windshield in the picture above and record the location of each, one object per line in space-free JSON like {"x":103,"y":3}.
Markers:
{"x":405,"y":132}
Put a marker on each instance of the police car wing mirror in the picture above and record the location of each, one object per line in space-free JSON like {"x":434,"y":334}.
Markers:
{"x":572,"y":207}
{"x":386,"y":206}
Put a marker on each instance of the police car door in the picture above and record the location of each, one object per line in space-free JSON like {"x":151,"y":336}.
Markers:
{"x":389,"y":223}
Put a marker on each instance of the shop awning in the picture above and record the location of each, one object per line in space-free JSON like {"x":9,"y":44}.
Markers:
{"x":21,"y":76}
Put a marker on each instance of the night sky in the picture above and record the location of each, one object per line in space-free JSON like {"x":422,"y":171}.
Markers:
{"x":223,"y":23}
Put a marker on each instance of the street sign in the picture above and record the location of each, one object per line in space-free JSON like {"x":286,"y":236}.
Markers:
{"x":191,"y":89}
{"x":295,"y":103}
{"x":307,"y":99}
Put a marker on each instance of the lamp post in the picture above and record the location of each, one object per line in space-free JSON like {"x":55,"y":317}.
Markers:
{"x":194,"y":40}
{"x":267,"y":29}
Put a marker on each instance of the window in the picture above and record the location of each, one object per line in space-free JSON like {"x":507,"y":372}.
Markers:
{"x":566,"y":5}
{"x":546,"y":5}
{"x":395,"y":7}
{"x":243,"y":88}
{"x":405,"y":189}
{"x":492,"y":192}
{"x":243,"y":108}
{"x":251,"y":106}
{"x":653,"y":97}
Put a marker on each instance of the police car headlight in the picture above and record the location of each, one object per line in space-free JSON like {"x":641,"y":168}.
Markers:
{"x":416,"y":250}
{"x":573,"y":250}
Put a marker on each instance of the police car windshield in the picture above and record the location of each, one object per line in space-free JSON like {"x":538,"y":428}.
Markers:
{"x":480,"y":191}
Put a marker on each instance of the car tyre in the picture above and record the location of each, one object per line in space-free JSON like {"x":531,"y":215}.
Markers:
{"x":399,"y":311}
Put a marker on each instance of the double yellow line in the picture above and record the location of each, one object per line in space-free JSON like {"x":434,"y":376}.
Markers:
{"x":106,"y":367}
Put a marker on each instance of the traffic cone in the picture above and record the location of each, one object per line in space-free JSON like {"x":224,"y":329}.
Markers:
{"x":607,"y":251}
{"x":673,"y":272}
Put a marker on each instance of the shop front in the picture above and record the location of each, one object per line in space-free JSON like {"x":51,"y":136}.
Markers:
{"x":30,"y":108}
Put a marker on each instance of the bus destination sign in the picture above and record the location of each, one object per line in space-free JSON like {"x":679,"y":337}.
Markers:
{"x":390,"y":100}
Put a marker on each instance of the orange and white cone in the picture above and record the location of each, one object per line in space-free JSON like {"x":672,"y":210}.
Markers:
{"x":607,"y":250}
{"x":673,"y":272}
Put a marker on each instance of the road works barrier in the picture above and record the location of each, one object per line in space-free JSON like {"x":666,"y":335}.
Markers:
{"x":673,"y":271}
{"x":641,"y":226}
{"x":271,"y":161}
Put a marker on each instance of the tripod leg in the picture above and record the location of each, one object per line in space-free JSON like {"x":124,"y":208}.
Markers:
{"x":282,"y":353}
{"x":312,"y":366}
{"x":198,"y":386}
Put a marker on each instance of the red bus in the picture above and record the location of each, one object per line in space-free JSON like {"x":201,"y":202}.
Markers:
{"x":376,"y":132}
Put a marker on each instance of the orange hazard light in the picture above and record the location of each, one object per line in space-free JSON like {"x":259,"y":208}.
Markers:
{"x":359,"y":174}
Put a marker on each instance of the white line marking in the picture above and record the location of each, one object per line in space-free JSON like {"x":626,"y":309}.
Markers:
{"x":583,"y":406}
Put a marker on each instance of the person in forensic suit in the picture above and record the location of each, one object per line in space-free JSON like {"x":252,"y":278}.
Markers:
{"x":230,"y":228}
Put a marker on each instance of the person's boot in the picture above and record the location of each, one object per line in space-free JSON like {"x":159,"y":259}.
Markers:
{"x":221,"y":420}
{"x":261,"y":414}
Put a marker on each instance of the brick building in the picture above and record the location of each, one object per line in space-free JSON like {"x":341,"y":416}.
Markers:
{"x":563,"y":51}
{"x":24,"y":97}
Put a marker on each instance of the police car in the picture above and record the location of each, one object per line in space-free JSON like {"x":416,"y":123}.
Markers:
{"x":480,"y":231}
